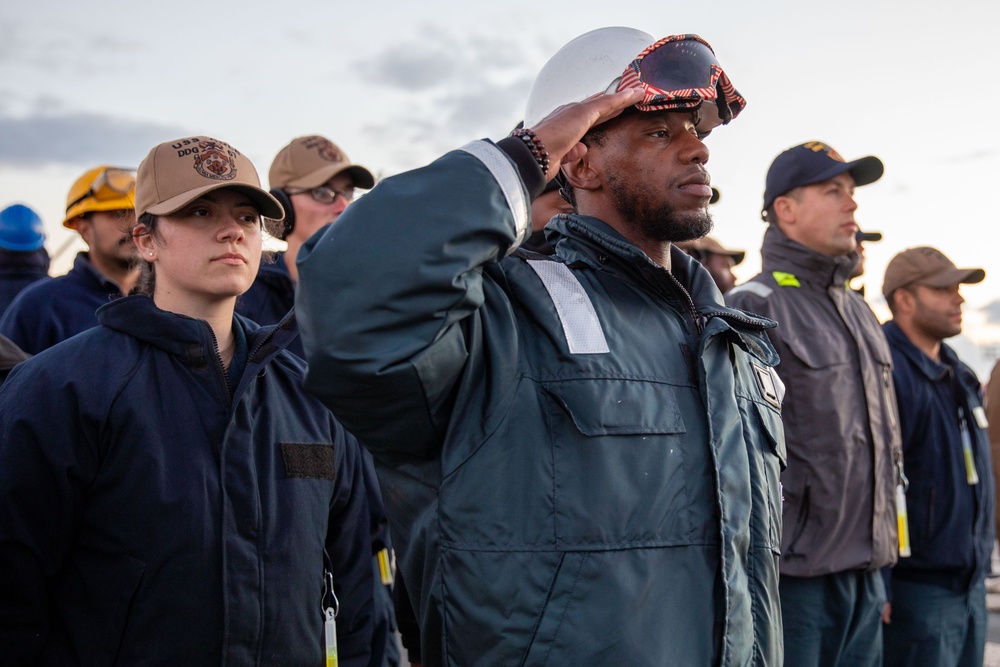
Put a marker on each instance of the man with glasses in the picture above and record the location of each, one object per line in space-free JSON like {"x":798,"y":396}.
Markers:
{"x":314,"y":181}
{"x":99,"y":207}
{"x":579,"y":451}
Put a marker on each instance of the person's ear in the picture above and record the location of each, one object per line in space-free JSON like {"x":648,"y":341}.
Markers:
{"x":582,"y":172}
{"x":905,"y":300}
{"x":143,"y":241}
{"x":784,"y":210}
{"x":85,"y":228}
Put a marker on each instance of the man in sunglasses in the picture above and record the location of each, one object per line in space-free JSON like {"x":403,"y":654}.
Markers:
{"x":579,"y":451}
{"x":841,"y":424}
{"x":314,"y":181}
{"x":99,"y":207}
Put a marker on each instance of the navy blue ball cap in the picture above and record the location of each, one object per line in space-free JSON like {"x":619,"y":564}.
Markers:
{"x":815,"y":162}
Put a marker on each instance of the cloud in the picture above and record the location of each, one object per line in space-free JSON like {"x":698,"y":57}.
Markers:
{"x":77,"y":139}
{"x":409,"y":69}
{"x":972,"y":156}
{"x":992,"y":311}
{"x":471,"y":86}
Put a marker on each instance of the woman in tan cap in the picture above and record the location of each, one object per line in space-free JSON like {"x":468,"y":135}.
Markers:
{"x":168,"y":492}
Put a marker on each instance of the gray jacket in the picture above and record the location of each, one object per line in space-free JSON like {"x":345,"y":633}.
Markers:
{"x":840,"y":416}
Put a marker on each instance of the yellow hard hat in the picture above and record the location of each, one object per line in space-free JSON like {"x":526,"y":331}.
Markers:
{"x":103,"y":188}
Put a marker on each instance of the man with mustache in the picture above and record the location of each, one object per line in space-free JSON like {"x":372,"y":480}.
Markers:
{"x":99,"y":207}
{"x":841,"y":428}
{"x":938,"y":594}
{"x":579,"y":451}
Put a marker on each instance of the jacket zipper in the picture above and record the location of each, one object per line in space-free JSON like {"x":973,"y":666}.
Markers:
{"x":221,"y":366}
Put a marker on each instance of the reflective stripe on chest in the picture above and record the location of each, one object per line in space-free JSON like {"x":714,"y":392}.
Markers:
{"x":580,"y":325}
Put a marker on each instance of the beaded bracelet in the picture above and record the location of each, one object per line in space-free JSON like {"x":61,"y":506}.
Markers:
{"x":534,"y":144}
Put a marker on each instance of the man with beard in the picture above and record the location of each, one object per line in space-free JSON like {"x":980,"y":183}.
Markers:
{"x":579,"y":451}
{"x":844,"y":454}
{"x":938,"y":594}
{"x":99,"y":207}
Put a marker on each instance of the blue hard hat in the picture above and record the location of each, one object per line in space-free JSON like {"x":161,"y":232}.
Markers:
{"x":21,"y":229}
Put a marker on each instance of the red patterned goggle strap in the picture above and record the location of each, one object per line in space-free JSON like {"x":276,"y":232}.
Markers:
{"x":680,"y":72}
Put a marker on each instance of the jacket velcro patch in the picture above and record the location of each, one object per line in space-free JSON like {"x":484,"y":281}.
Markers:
{"x":785,"y":279}
{"x":311,"y":460}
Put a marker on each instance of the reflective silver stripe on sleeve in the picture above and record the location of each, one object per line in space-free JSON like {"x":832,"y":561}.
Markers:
{"x":581,"y":327}
{"x":510,"y":183}
{"x":759,"y":289}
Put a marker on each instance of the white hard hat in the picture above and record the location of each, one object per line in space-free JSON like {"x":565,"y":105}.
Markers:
{"x":590,"y":64}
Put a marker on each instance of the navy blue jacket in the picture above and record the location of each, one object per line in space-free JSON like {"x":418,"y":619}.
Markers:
{"x":18,"y":270}
{"x":149,"y":513}
{"x":268,"y":301}
{"x":951,"y":521}
{"x":271,"y":297}
{"x":51,"y":311}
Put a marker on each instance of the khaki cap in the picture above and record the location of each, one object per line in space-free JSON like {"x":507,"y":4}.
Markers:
{"x":708,"y":244}
{"x":175,"y":173}
{"x":309,"y":162}
{"x":925,"y":266}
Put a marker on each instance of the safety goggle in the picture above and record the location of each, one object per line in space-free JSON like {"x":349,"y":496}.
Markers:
{"x":682,"y":72}
{"x":111,"y":183}
{"x":326,"y":195}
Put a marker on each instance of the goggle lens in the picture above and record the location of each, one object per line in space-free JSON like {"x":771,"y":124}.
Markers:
{"x":681,"y":72}
{"x":678,"y":66}
{"x":111,"y":183}
{"x":119,"y":181}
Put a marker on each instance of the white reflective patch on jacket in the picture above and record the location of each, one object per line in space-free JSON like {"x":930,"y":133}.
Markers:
{"x":510,"y":184}
{"x":761,"y":290}
{"x":581,"y":327}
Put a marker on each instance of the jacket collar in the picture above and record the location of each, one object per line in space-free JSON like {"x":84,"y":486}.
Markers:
{"x":87,"y":272}
{"x":931,"y":369}
{"x":275,"y":272}
{"x":186,"y":337}
{"x":590,"y":240}
{"x":35,"y":260}
{"x":593,"y":241}
{"x":780,"y":253}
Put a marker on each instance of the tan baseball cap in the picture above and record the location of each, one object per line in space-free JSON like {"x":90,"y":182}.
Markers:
{"x":708,"y":244}
{"x":175,"y":173}
{"x":925,"y":266}
{"x":309,"y":162}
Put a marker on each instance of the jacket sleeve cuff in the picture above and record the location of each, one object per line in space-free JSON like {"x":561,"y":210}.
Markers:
{"x":527,"y":166}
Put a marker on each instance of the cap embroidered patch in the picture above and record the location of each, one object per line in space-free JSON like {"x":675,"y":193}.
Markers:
{"x":324,"y":148}
{"x":819,"y":146}
{"x":215,"y":159}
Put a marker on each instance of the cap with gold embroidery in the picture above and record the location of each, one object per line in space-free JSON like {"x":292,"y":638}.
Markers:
{"x":175,"y":173}
{"x":309,"y":162}
{"x":815,"y":162}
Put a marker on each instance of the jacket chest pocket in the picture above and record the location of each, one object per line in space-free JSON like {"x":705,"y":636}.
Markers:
{"x":621,"y":463}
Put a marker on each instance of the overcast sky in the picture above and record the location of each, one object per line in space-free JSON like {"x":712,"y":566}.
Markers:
{"x":396,"y":84}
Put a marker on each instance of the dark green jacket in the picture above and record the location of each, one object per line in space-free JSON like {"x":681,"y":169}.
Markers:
{"x":580,"y":460}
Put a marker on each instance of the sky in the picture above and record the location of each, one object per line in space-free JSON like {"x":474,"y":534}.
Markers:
{"x":396,"y":84}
